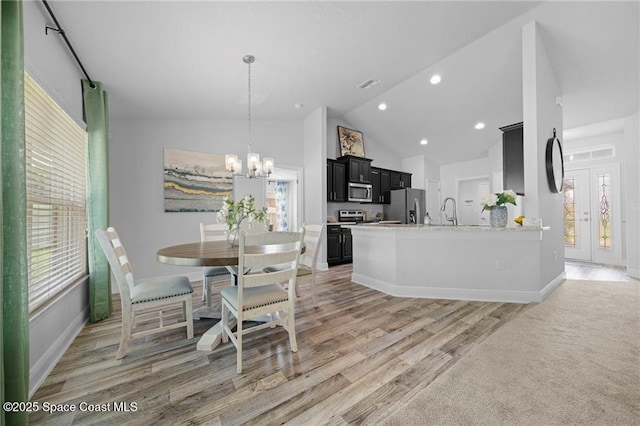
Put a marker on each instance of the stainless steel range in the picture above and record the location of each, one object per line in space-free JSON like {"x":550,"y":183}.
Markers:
{"x":351,"y":216}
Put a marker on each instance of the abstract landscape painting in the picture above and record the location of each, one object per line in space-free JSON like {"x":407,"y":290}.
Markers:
{"x":195,"y":181}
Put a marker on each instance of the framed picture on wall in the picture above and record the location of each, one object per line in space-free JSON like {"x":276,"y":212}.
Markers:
{"x":351,"y":142}
{"x":195,"y":181}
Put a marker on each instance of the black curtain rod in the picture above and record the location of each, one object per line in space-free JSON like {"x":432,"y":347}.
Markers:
{"x":60,"y":31}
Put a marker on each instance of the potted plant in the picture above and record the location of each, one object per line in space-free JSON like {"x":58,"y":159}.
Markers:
{"x":496,"y":204}
{"x":234,"y":213}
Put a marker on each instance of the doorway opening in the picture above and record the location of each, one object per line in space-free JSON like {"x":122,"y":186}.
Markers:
{"x":283,"y":199}
{"x":469,"y":193}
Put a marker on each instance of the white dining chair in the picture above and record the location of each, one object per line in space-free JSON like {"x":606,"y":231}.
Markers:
{"x":313,"y":237}
{"x":260,"y":293}
{"x":143,"y":295}
{"x":213,"y":274}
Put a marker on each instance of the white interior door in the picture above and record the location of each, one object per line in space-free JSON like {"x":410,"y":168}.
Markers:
{"x":577,"y":215}
{"x":468,"y":195}
{"x":483,"y":190}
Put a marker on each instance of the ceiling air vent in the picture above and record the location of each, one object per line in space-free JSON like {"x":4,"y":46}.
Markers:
{"x":368,"y":84}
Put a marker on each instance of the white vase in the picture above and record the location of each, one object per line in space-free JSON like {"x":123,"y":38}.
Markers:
{"x":498,"y":216}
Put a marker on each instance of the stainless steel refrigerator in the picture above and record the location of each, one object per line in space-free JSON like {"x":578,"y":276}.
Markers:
{"x":407,"y":205}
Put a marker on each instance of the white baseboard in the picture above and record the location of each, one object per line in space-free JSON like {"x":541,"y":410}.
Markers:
{"x":504,"y":296}
{"x":322,"y":266}
{"x":43,"y":366}
{"x":633,"y":272}
{"x":548,"y":289}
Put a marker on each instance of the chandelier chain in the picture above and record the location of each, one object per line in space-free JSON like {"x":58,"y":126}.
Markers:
{"x":249,"y":107}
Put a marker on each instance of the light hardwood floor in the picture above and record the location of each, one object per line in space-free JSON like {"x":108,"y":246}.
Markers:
{"x":361,"y":355}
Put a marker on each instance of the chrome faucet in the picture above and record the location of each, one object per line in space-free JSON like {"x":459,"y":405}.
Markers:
{"x":453,"y":219}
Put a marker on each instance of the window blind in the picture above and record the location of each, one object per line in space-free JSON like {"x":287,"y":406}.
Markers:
{"x":56,"y":196}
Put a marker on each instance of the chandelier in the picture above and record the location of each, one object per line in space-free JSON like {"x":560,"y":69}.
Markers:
{"x":255,"y":167}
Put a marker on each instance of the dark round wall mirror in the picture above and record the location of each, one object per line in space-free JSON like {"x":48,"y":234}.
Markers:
{"x":554,"y":164}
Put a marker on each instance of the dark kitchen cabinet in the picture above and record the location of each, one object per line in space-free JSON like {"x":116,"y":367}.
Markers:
{"x":347,"y":245}
{"x":339,"y":245}
{"x":358,"y":168}
{"x":380,"y":185}
{"x":333,"y":244}
{"x":375,"y":185}
{"x":385,"y":186}
{"x":400,"y":180}
{"x":513,"y":157}
{"x":336,"y":181}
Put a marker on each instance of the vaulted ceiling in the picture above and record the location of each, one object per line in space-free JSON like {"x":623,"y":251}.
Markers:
{"x":184,"y":59}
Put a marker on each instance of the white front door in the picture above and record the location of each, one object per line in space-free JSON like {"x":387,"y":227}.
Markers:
{"x":577,"y":215}
{"x":606,"y":228}
{"x":592,"y":211}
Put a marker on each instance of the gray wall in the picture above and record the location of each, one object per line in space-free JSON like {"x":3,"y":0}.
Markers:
{"x":136,"y":178}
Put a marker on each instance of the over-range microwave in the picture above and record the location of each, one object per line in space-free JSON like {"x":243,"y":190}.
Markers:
{"x":359,"y":192}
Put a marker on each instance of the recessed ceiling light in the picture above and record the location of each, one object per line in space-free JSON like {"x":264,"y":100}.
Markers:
{"x":382,"y":106}
{"x":298,"y":106}
{"x":424,"y":142}
{"x":479,"y":125}
{"x":435,"y":79}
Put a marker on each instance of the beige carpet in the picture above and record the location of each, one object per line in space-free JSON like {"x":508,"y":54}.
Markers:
{"x":572,"y":359}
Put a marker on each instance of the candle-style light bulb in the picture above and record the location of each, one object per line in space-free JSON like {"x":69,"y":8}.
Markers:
{"x":267,"y":165}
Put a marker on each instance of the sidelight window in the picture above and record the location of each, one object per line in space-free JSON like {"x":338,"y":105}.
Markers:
{"x":570,"y":209}
{"x":604,"y":210}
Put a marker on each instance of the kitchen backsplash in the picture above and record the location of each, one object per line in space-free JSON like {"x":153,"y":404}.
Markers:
{"x":370,"y":210}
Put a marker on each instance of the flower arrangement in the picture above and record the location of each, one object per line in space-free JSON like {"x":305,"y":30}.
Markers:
{"x":499,"y":199}
{"x":234,"y":213}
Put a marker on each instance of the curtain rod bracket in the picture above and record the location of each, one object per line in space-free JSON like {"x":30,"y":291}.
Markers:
{"x":47,"y":28}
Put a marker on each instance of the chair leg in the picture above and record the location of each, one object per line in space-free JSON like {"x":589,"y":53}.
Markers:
{"x":188,"y":315}
{"x":239,"y":346}
{"x":224,"y":322}
{"x":291,"y":328}
{"x":125,"y":336}
{"x":204,"y":288}
{"x":207,"y":291}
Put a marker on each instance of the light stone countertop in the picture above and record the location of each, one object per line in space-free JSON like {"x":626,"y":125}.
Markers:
{"x":458,"y":228}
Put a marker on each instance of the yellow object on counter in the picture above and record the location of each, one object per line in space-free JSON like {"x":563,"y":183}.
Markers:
{"x":519,"y":220}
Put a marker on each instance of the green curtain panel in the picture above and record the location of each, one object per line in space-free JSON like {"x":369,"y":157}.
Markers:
{"x":13,"y":258}
{"x":96,"y":115}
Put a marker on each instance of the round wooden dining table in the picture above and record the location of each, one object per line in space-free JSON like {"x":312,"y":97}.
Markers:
{"x":211,"y":253}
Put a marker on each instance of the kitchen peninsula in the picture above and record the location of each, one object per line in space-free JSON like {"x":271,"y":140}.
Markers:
{"x":451,"y":262}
